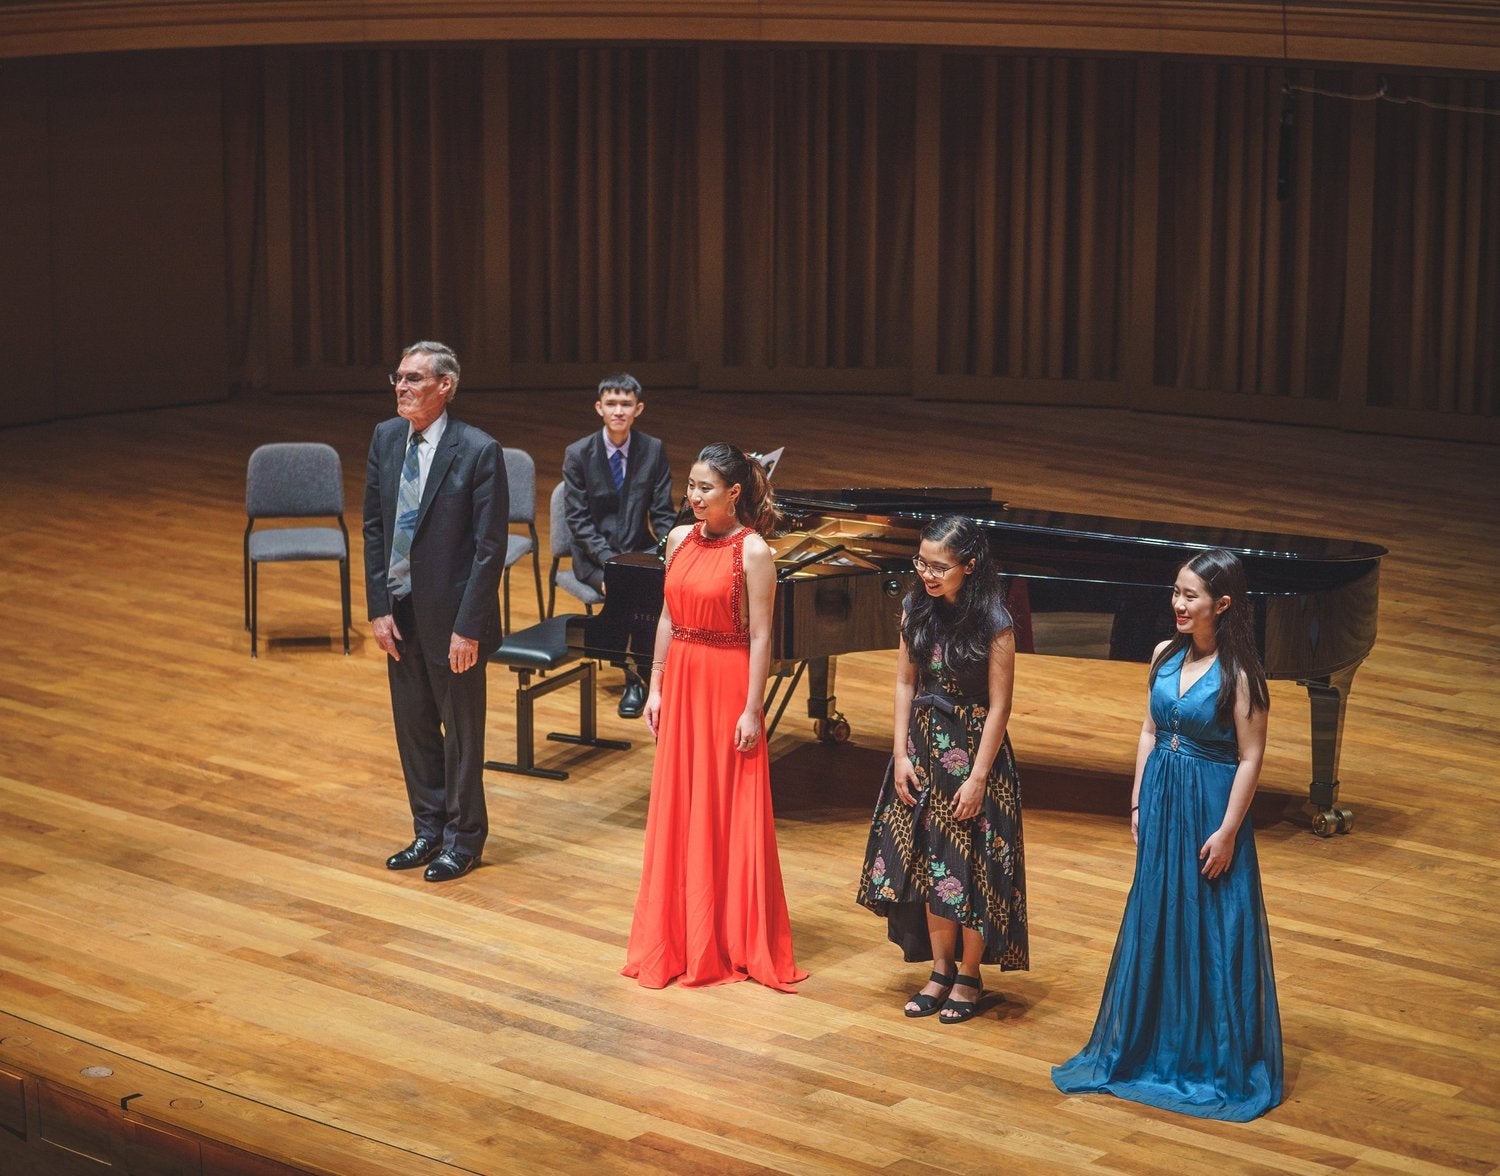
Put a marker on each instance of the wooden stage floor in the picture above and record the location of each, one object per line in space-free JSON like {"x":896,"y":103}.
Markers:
{"x":191,"y":843}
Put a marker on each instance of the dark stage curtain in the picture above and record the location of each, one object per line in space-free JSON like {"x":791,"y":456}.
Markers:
{"x":947,"y":222}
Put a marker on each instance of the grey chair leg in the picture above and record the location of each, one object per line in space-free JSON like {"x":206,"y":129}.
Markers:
{"x":536,"y":571}
{"x":247,"y":579}
{"x":344,"y":584}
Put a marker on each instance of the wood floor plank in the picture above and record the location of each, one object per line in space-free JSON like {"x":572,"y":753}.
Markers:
{"x":191,"y":842}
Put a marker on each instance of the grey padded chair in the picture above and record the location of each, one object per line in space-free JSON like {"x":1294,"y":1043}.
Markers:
{"x":560,"y":542}
{"x":294,"y":480}
{"x":520,"y":474}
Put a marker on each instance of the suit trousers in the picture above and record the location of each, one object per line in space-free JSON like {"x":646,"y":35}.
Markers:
{"x":641,"y":638}
{"x":439,"y":717}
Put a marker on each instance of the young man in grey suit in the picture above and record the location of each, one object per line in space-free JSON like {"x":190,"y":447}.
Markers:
{"x":437,"y":506}
{"x":618,"y":498}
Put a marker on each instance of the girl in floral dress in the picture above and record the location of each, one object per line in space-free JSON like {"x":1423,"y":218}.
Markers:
{"x":945,"y":864}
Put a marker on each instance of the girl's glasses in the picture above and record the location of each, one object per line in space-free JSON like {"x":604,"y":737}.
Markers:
{"x":937,"y":571}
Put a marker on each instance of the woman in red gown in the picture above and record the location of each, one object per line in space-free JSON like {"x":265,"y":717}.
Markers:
{"x":711,"y":909}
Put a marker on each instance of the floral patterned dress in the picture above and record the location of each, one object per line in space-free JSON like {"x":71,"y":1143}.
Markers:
{"x":921,"y":858}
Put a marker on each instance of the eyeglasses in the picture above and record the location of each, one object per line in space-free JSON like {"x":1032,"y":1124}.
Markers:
{"x":399,"y":378}
{"x":930,"y":569}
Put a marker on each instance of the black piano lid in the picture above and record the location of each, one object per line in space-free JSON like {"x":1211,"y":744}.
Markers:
{"x":921,"y":505}
{"x":882,"y":499}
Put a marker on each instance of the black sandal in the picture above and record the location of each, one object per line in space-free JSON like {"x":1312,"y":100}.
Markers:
{"x":962,"y":1010}
{"x":927,"y":1005}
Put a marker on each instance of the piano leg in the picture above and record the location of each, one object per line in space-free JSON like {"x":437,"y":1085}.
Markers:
{"x":1328,"y":697}
{"x":822,"y":707}
{"x":782,"y":674}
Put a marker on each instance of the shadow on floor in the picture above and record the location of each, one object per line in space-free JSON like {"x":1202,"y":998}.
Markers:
{"x":816,"y":781}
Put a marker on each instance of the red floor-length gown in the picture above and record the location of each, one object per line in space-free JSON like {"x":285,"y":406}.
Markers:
{"x":711,"y":908}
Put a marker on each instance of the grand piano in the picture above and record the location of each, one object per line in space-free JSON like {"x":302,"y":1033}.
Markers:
{"x":1079,"y":585}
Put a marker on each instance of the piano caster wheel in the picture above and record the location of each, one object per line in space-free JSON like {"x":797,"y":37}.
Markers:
{"x":834,"y":730}
{"x":1327,"y":822}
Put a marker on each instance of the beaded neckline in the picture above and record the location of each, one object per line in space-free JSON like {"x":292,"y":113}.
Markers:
{"x":719,"y":541}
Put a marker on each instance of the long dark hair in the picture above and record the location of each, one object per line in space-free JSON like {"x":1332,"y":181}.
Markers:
{"x":755,"y":507}
{"x":967,"y":626}
{"x":1234,"y":634}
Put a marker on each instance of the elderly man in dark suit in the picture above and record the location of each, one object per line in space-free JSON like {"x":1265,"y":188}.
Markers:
{"x":436,"y":511}
{"x":618,"y":498}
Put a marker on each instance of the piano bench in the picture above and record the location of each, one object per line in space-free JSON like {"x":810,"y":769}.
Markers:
{"x":541,"y":649}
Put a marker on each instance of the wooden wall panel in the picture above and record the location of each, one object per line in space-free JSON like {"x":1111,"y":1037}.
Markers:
{"x":114,"y":239}
{"x":1435,"y":314}
{"x":1235,"y":264}
{"x":25,"y":237}
{"x":383,"y":202}
{"x":139,"y":293}
{"x":957,"y":224}
{"x":1034,"y":218}
{"x":603,"y":200}
{"x":818,"y":207}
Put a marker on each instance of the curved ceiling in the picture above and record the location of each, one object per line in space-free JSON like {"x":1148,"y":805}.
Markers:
{"x":1461,"y":35}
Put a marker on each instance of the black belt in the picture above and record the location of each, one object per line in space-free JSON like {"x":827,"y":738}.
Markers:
{"x":938,"y":701}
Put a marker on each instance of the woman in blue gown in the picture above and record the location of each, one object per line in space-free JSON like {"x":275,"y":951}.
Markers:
{"x":1189,"y":1020}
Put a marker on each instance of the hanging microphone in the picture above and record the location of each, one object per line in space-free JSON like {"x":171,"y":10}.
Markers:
{"x":1287,"y":144}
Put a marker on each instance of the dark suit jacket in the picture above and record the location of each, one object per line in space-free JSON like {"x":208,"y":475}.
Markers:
{"x":604,"y":521}
{"x":458,"y":550}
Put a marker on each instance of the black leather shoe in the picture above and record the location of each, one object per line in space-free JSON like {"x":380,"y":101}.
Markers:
{"x":633,"y":701}
{"x":450,"y":864}
{"x":418,"y":853}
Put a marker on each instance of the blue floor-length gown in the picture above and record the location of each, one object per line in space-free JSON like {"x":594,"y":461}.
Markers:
{"x":1188,"y":1020}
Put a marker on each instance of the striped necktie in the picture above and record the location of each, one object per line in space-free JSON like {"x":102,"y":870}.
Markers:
{"x":617,"y":467}
{"x":408,"y":504}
